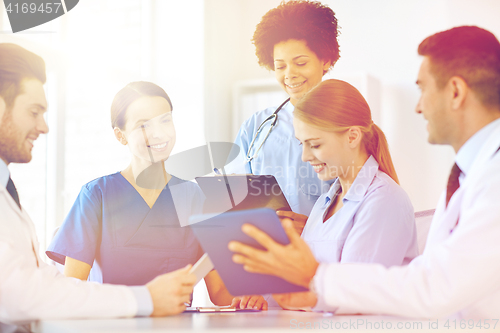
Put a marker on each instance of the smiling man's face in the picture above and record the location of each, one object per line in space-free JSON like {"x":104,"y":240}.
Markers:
{"x":23,"y":123}
{"x":433,"y":105}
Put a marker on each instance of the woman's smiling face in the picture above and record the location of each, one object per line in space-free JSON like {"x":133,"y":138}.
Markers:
{"x":149,"y":128}
{"x":297,"y":68}
{"x":327,"y":152}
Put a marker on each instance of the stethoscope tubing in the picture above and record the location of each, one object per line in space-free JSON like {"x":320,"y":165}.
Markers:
{"x":274,"y":118}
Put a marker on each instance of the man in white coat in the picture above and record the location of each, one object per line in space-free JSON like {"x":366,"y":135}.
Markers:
{"x":29,"y":288}
{"x":458,"y":273}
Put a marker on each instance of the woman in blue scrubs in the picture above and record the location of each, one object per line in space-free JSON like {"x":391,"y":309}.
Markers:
{"x":128,"y":227}
{"x":298,"y":41}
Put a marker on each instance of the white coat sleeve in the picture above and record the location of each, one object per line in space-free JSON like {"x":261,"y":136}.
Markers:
{"x":451,"y":275}
{"x":28,"y":292}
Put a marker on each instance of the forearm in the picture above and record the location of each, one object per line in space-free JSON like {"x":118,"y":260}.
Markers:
{"x":76,"y":268}
{"x":30,"y":292}
{"x":219,"y":295}
{"x":424,"y":290}
{"x":450,"y":276}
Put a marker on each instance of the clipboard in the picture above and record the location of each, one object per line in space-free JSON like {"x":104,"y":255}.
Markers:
{"x":241,"y":192}
{"x":217,"y":309}
{"x":215,"y":231}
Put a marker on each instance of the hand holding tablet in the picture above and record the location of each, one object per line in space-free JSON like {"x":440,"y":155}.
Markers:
{"x":294,"y":262}
{"x":299,"y":220}
{"x":214,"y":234}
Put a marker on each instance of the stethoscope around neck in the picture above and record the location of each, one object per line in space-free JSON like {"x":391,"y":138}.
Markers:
{"x":274,"y":120}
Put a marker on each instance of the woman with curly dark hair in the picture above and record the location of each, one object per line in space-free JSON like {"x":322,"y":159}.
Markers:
{"x":298,"y":41}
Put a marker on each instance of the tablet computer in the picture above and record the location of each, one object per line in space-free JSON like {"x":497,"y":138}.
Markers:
{"x":201,"y":268}
{"x":215,"y":231}
{"x":241,"y":192}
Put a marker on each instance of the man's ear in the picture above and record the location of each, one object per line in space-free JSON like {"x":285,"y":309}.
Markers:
{"x":120,"y":136}
{"x":354,"y":136}
{"x":459,"y":90}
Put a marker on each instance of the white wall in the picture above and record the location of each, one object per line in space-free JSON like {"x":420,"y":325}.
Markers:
{"x":378,"y":38}
{"x":91,"y":53}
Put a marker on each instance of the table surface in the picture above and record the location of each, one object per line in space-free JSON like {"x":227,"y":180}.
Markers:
{"x":262,"y":322}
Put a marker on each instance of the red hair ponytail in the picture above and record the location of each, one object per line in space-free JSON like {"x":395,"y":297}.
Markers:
{"x":376,"y":145}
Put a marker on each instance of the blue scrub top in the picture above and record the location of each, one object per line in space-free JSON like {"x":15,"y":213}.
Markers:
{"x":280,"y":156}
{"x":111,"y":228}
{"x":376,"y":223}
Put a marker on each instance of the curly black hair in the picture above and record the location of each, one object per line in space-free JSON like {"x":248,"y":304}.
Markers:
{"x":310,"y":21}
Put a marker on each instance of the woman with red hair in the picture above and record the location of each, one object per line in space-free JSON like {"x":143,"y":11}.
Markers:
{"x":365,"y":216}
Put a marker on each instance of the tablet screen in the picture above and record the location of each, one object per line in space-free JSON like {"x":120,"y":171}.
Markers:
{"x":215,"y":231}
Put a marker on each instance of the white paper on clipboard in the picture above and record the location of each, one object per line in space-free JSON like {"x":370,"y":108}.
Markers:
{"x":202,"y":267}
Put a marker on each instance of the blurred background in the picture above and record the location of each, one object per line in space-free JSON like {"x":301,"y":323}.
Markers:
{"x":200,"y":52}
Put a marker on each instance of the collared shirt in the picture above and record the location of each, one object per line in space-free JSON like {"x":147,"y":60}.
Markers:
{"x":4,"y":173}
{"x":141,"y":293}
{"x":280,"y":156}
{"x":375,"y":224}
{"x":457,"y":274}
{"x":468,"y":152}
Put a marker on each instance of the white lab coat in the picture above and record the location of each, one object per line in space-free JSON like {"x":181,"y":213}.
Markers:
{"x":29,"y":292}
{"x":457,"y":275}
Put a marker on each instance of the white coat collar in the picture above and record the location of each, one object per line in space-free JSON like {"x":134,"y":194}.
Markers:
{"x":4,"y":173}
{"x":488,"y":148}
{"x":468,"y":152}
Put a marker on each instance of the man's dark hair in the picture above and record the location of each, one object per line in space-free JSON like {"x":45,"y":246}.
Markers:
{"x":469,"y":52}
{"x":17,"y":64}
